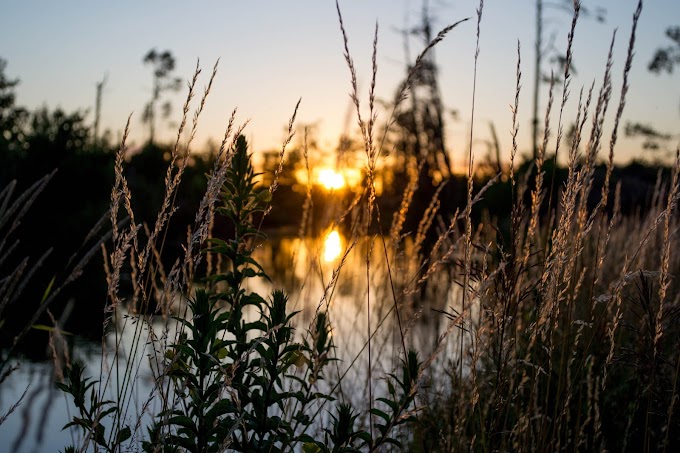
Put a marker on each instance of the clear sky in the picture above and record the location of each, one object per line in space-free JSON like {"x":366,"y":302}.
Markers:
{"x":273,"y":52}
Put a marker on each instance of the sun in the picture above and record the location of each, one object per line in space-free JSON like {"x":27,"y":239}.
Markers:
{"x":331,"y":179}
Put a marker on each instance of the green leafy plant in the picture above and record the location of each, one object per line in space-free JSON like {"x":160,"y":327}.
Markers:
{"x":240,"y":383}
{"x":92,"y":411}
{"x":241,"y":380}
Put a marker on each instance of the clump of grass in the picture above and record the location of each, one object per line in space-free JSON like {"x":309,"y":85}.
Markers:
{"x":547,"y":365}
{"x":567,"y":323}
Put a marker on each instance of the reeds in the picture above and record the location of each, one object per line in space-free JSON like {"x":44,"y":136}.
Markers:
{"x":551,"y":306}
{"x":567,"y":319}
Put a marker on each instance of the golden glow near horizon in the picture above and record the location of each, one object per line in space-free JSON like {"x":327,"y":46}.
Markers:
{"x":352,"y":176}
{"x":332,"y":246}
{"x":330,"y":178}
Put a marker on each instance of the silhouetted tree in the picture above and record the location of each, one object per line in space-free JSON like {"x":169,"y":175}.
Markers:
{"x":163,"y":64}
{"x":7,"y":95}
{"x":12,"y":125}
{"x":419,"y":141}
{"x":421,"y":126}
{"x":12,"y":121}
{"x":652,"y":138}
{"x":36,"y":142}
{"x":547,"y":50}
{"x":98,"y":109}
{"x":664,"y":60}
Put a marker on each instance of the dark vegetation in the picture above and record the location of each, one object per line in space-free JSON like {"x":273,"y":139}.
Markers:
{"x":571,"y":342}
{"x":36,"y":143}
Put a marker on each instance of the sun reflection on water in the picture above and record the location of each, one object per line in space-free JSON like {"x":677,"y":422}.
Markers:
{"x":332,"y":246}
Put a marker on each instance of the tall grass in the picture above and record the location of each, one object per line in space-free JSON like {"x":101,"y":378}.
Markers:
{"x":565,"y":343}
{"x":557,"y":331}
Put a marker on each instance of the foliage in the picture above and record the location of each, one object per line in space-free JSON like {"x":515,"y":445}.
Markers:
{"x":36,"y":142}
{"x":567,"y":325}
{"x":665,"y":58}
{"x":92,"y":411}
{"x":240,"y":379}
{"x":163,"y":63}
{"x":11,"y":116}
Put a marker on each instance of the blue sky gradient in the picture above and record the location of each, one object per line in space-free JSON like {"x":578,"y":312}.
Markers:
{"x":274,"y":52}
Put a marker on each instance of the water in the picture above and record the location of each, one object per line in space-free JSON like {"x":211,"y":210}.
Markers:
{"x":307,"y":269}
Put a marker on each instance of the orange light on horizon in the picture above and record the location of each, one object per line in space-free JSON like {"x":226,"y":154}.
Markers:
{"x":331,"y":179}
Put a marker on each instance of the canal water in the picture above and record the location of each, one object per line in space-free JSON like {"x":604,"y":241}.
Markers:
{"x":358,"y":283}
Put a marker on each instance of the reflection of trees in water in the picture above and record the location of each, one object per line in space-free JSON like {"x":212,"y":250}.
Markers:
{"x":297,"y":265}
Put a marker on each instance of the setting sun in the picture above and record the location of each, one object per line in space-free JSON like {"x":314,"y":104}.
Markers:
{"x":332,"y":246}
{"x":331,"y":179}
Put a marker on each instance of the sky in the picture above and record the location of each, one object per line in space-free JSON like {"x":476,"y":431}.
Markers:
{"x":272,"y":53}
